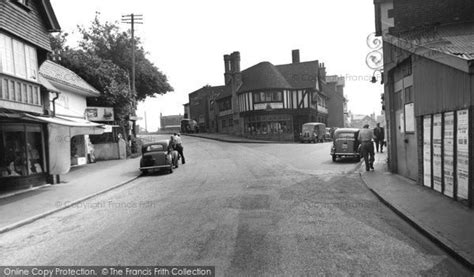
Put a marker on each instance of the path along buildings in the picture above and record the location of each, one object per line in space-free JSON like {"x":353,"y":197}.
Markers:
{"x":428,"y":52}
{"x":268,"y":101}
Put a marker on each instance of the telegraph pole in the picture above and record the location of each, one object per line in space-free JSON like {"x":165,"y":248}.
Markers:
{"x":133,"y":19}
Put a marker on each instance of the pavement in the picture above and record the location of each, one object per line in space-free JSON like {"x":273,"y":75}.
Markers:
{"x":81,"y":183}
{"x":231,"y":138}
{"x":448,"y":223}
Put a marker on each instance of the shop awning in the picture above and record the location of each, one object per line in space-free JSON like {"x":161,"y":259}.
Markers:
{"x":61,"y":130}
{"x":80,"y":126}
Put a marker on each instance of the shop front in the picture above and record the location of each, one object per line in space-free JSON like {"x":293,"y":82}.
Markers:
{"x":22,"y":154}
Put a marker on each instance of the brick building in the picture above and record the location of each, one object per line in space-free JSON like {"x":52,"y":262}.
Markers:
{"x":428,"y":91}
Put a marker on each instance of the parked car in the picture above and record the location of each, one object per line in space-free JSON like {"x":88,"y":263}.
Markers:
{"x":327,"y":135}
{"x":345,"y":144}
{"x":313,"y":132}
{"x":189,"y":126}
{"x":155,"y":156}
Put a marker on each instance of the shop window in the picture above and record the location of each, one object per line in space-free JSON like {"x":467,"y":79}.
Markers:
{"x":21,"y":150}
{"x":231,"y":122}
{"x":268,"y":125}
{"x":224,"y":123}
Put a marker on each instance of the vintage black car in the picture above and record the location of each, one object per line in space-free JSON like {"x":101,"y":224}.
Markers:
{"x":345,"y":144}
{"x":155,"y":156}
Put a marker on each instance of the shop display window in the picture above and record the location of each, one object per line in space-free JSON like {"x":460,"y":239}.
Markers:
{"x":21,"y":151}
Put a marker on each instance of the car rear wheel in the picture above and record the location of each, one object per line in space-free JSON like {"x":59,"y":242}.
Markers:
{"x":333,"y":158}
{"x":144,"y":172}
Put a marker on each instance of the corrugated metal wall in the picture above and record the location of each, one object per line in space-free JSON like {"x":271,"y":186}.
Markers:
{"x":440,"y":88}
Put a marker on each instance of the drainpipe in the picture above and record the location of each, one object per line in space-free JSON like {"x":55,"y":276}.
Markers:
{"x":54,"y":103}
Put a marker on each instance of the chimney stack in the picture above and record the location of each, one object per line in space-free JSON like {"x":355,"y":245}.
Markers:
{"x":295,"y":55}
{"x":227,"y":72}
{"x":235,"y":62}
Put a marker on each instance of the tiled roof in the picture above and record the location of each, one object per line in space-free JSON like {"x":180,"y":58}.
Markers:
{"x":57,"y":74}
{"x":263,"y":76}
{"x":452,"y":39}
{"x":300,"y":75}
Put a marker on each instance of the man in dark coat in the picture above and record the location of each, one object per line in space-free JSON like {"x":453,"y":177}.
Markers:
{"x":379,"y":136}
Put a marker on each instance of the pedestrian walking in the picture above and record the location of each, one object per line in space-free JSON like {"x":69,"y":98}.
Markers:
{"x":367,"y":146}
{"x":179,"y":146}
{"x":379,"y":135}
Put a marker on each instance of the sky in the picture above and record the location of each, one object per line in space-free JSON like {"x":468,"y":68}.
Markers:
{"x":186,"y":40}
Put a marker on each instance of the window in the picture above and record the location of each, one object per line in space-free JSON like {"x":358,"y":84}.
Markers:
{"x":24,"y":4}
{"x":409,"y":97}
{"x":18,"y":59}
{"x":225,"y":104}
{"x":22,"y":146}
{"x":269,"y":96}
{"x":398,"y":103}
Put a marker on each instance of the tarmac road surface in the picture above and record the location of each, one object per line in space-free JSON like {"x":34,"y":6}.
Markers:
{"x":247,"y":209}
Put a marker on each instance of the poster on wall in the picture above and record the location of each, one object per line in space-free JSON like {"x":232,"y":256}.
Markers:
{"x":462,"y":144}
{"x":427,"y":150}
{"x":410,"y":117}
{"x":437,"y":168}
{"x":449,"y":154}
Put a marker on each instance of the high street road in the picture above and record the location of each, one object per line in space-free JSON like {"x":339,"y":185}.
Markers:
{"x":247,"y":209}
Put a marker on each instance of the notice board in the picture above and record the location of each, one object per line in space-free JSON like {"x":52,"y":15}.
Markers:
{"x":427,"y":150}
{"x":449,"y":154}
{"x":462,"y":143}
{"x":437,"y":168}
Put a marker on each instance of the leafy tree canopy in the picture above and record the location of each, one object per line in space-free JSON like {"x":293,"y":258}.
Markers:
{"x":106,"y":41}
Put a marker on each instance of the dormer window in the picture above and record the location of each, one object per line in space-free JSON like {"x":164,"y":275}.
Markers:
{"x":24,"y":4}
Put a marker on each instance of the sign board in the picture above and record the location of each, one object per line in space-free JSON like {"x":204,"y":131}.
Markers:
{"x":462,"y":144}
{"x":100,"y":113}
{"x":410,"y":117}
{"x":427,"y":151}
{"x":449,"y":154}
{"x":267,"y":106}
{"x":437,"y":159}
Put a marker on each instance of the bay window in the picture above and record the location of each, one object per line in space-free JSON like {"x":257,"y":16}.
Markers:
{"x":18,"y":59}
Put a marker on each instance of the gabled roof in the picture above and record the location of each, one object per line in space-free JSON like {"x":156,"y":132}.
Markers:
{"x":58,"y":76}
{"x":53,"y":24}
{"x":32,"y":22}
{"x":222,"y":92}
{"x":213,"y":92}
{"x":300,"y":75}
{"x":263,"y":76}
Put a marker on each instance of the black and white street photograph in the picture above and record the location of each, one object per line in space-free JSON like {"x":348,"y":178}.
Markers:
{"x":236,"y":138}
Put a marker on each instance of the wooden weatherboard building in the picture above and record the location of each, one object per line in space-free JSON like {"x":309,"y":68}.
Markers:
{"x":28,"y":127}
{"x":429,"y":92}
